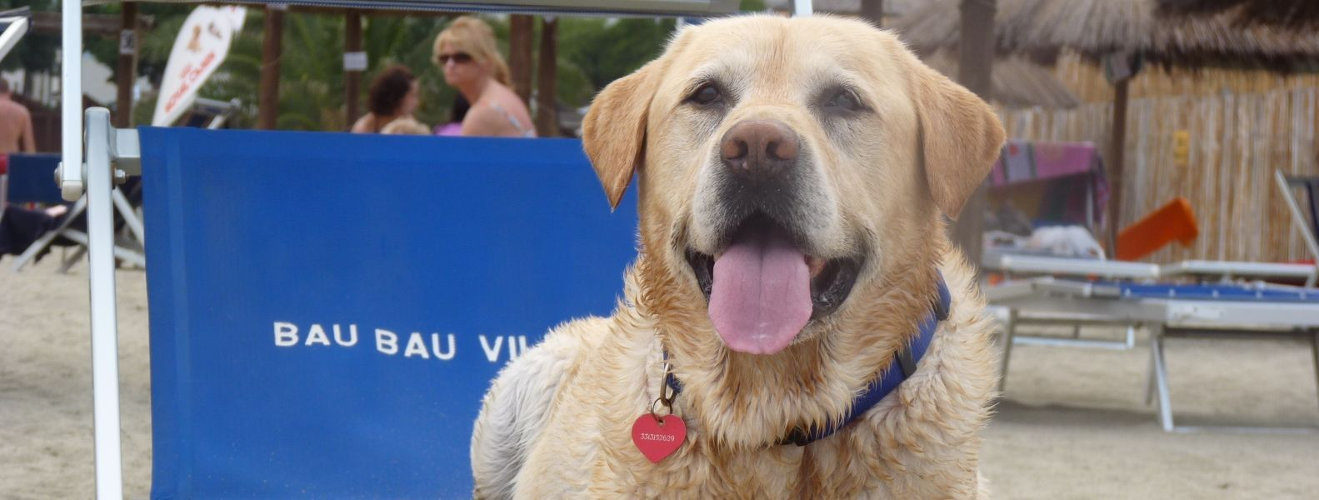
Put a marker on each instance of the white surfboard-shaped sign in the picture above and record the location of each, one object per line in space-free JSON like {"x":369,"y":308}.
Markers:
{"x":201,"y":46}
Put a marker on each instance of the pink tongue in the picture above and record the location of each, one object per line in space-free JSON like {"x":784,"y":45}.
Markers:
{"x":761,"y":295}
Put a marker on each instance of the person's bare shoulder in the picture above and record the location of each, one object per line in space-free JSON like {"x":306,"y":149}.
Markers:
{"x":485,"y":120}
{"x":363,"y":125}
{"x":12,"y":108}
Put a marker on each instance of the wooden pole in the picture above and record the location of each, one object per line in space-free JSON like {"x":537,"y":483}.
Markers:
{"x":873,"y":11}
{"x":272,"y":46}
{"x":547,"y":116}
{"x":974,"y":67}
{"x":126,"y":69}
{"x":352,"y":80}
{"x":1117,"y":146}
{"x":520,"y":29}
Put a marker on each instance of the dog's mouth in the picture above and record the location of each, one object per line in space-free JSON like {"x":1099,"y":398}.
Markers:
{"x":762,"y":288}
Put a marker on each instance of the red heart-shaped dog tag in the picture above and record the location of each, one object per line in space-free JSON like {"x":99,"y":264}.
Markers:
{"x":658,"y":438}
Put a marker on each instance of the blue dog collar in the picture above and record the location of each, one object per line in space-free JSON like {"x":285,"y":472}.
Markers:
{"x":904,"y":366}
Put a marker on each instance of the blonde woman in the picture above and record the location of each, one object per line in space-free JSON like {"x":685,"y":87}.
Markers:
{"x":467,"y":53}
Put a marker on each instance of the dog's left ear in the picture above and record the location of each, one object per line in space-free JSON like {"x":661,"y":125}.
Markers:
{"x":614,"y":129}
{"x":961,"y":137}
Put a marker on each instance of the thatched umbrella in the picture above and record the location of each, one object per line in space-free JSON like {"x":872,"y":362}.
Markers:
{"x":1017,"y":81}
{"x":1297,"y":13}
{"x":1099,"y":28}
{"x":1123,"y":34}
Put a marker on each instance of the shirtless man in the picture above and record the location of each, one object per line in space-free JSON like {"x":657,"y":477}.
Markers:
{"x":19,"y":227}
{"x":15,"y":124}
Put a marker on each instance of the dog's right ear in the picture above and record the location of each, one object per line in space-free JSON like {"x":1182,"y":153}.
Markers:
{"x":961,"y":137}
{"x":614,"y":130}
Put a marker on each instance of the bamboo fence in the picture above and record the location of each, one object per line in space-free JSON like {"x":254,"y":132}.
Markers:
{"x":1241,"y":125}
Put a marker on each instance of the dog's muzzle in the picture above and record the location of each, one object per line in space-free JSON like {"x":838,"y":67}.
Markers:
{"x":761,"y":282}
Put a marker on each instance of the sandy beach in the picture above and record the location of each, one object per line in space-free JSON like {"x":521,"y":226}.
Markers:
{"x":1072,"y":423}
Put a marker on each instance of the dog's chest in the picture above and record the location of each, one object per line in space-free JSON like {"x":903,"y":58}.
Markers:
{"x":860,"y":463}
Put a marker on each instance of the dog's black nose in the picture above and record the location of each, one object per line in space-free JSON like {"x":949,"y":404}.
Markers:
{"x":759,"y":149}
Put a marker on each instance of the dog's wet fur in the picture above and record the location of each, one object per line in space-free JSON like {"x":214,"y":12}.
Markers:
{"x":868,"y":149}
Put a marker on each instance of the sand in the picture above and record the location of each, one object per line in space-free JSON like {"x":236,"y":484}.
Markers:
{"x":1072,"y":424}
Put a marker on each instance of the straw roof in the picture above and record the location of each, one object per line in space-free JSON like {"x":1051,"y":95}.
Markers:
{"x":1017,"y":81}
{"x":1095,"y":28}
{"x":1295,"y":13}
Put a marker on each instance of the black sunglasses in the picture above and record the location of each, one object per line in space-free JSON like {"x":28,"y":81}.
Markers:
{"x":457,"y":57}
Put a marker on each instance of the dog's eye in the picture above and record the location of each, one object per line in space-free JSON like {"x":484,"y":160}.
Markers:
{"x":843,"y":100}
{"x":706,"y":95}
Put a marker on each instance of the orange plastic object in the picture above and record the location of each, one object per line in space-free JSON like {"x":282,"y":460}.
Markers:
{"x":1171,"y":222}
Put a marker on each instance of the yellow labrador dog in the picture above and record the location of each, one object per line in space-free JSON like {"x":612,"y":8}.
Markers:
{"x":797,"y":324}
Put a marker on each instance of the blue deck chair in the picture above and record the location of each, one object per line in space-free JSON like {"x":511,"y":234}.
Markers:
{"x":30,"y":178}
{"x":326,"y":310}
{"x":30,"y":181}
{"x":26,"y":178}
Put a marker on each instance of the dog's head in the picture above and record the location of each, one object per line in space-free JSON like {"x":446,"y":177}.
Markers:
{"x":786,"y":164}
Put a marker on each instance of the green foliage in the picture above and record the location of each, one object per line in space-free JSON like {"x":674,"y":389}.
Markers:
{"x":751,"y":6}
{"x":605,"y":49}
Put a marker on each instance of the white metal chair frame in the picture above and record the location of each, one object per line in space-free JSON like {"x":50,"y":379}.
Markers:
{"x":126,"y":254}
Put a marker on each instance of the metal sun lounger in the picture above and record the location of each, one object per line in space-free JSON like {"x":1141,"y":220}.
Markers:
{"x":1199,"y":310}
{"x":1025,"y":264}
{"x":1168,"y":311}
{"x":1031,"y":265}
{"x":1014,"y":263}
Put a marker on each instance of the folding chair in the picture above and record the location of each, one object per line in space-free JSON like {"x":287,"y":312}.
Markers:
{"x":328,"y":309}
{"x":72,"y":227}
{"x":1307,"y":226}
{"x":210,"y":113}
{"x":204,"y":113}
{"x":13,"y":25}
{"x":27,"y":179}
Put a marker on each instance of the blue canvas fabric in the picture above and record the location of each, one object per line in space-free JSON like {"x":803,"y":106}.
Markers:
{"x":326,"y":310}
{"x":1217,"y":291}
{"x":30,"y":178}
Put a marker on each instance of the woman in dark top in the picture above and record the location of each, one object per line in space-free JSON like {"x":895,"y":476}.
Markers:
{"x":394,"y":94}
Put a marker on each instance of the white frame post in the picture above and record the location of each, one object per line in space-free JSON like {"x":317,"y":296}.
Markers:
{"x":100,"y":233}
{"x":802,"y":8}
{"x":105,"y":335}
{"x":71,"y":179}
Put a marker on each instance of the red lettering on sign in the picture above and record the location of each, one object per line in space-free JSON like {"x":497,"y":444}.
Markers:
{"x":189,"y":78}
